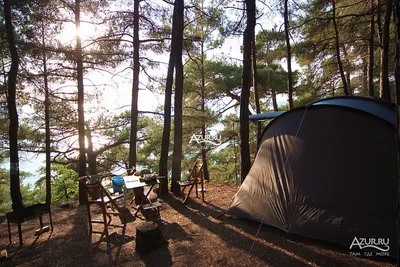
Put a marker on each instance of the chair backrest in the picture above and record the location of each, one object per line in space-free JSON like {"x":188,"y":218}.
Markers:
{"x":94,"y":191}
{"x":197,"y":171}
{"x":94,"y":188}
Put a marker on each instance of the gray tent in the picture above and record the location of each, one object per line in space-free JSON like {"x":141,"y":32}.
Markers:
{"x":327,"y":171}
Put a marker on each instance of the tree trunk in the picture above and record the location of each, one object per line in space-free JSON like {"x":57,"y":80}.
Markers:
{"x":203,"y":108}
{"x":81,"y":100}
{"x":274,"y":101}
{"x":135,"y":85}
{"x":15,"y":189}
{"x":91,"y":156}
{"x":244,"y":99}
{"x":379,"y":20}
{"x":255,"y":86}
{"x":396,"y":11}
{"x":347,"y":72}
{"x":47,"y":121}
{"x":288,"y":54}
{"x":384,"y":88}
{"x":371,"y":51}
{"x":364,"y":76}
{"x":163,"y":165}
{"x":337,"y":46}
{"x":177,"y":153}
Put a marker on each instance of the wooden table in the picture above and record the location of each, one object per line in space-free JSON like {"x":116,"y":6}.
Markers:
{"x":133,"y":182}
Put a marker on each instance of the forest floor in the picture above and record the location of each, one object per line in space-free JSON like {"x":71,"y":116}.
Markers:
{"x":198,"y":234}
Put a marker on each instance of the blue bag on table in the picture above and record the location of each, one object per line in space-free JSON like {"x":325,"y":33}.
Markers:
{"x":117,"y":184}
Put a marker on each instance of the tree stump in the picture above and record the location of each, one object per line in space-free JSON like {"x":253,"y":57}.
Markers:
{"x":148,"y":237}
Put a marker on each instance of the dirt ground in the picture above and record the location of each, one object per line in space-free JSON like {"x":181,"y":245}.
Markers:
{"x":198,"y":234}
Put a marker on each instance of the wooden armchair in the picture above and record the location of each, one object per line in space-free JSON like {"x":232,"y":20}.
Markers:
{"x":96,"y":194}
{"x":194,"y":179}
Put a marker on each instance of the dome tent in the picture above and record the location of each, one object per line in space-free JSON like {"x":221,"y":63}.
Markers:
{"x":328,"y":171}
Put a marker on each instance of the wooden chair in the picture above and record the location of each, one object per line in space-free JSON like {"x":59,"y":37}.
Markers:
{"x":194,"y":179}
{"x":96,"y":194}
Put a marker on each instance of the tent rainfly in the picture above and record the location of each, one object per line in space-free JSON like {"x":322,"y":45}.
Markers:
{"x":327,"y":171}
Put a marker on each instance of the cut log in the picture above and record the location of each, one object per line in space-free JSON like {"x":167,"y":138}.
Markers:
{"x":42,"y":230}
{"x":149,"y":237}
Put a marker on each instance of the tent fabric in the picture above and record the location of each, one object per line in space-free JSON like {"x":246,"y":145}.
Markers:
{"x":377,"y":108}
{"x":325,"y":171}
{"x":266,"y":115}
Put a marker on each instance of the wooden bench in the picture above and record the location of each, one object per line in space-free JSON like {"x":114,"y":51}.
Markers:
{"x":153,"y":206}
{"x":26,"y":214}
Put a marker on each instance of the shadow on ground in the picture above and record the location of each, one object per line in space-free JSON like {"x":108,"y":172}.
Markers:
{"x":272,"y":246}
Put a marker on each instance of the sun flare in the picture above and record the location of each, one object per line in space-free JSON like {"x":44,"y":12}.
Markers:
{"x":68,"y":34}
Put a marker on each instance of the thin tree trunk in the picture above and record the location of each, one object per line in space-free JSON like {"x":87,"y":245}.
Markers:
{"x":384,"y":88}
{"x":396,"y":11}
{"x":274,"y":101}
{"x":379,"y":27}
{"x":163,"y":165}
{"x":66,"y":192}
{"x":91,"y":156}
{"x":244,"y":99}
{"x":337,"y":46}
{"x":81,"y":100}
{"x":288,"y":54}
{"x":47,"y":121}
{"x":177,"y":152}
{"x":347,"y":72}
{"x":203,"y":108}
{"x":15,"y":189}
{"x":135,"y":85}
{"x":379,"y":20}
{"x":255,"y":86}
{"x":273,"y":96}
{"x":364,"y":76}
{"x":371,"y":51}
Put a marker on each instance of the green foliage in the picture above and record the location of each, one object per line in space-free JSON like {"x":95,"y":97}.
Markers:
{"x":316,"y":51}
{"x":30,"y":195}
{"x":5,"y":198}
{"x":270,"y":46}
{"x":222,"y":165}
{"x":271,"y":76}
{"x":64,"y":187}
